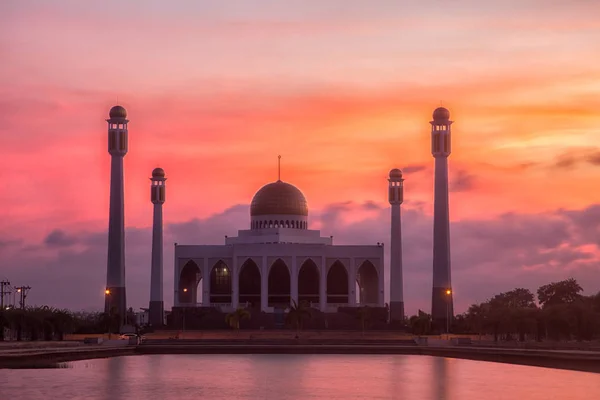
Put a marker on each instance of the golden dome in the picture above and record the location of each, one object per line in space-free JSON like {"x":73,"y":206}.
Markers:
{"x":279,"y":198}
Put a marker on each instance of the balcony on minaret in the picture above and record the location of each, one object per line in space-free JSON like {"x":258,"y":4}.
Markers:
{"x":157,"y":192}
{"x":396,"y":187}
{"x":157,"y":186}
{"x":441,"y":133}
{"x":117,"y":131}
{"x":117,"y":141}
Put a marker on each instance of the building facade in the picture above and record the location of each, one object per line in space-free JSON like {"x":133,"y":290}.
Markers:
{"x":278,"y":261}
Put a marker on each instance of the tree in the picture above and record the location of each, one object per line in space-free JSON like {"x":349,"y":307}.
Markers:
{"x":420,"y":324}
{"x":477,"y":317}
{"x":233,"y":319}
{"x":512,"y":312}
{"x":4,"y":323}
{"x":296,"y":315}
{"x":563,"y":292}
{"x":364,"y":314}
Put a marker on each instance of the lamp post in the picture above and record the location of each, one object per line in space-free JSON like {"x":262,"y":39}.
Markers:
{"x":22,"y":290}
{"x":448,"y":293}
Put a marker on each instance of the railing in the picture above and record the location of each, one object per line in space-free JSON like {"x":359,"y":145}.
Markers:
{"x":335,"y":306}
{"x":223,"y":307}
{"x":368,"y":305}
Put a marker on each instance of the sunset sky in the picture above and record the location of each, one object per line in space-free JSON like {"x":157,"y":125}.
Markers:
{"x":343,"y":90}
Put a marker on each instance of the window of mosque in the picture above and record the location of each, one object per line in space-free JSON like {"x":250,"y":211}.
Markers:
{"x":222,"y":277}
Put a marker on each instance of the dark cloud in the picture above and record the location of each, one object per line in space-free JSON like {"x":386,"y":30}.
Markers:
{"x":462,"y":181}
{"x":414,"y":168}
{"x":575,"y":157}
{"x":488,"y":256}
{"x":566,"y":161}
{"x":594,"y":158}
{"x":59,"y":238}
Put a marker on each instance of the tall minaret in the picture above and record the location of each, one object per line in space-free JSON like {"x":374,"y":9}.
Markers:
{"x":157,"y":196}
{"x":115,"y":300}
{"x":441,"y":302}
{"x":396,"y":196}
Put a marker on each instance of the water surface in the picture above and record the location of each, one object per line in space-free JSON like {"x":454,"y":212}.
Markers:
{"x":281,"y":377}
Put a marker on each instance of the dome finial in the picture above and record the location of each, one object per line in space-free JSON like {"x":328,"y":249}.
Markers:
{"x":279,"y":168}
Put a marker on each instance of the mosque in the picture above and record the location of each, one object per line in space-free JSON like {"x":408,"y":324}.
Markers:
{"x":279,"y":260}
{"x":276,"y":260}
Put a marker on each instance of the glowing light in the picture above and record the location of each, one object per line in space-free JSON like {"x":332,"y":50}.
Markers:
{"x":107,"y":291}
{"x":448,"y":292}
{"x":184,"y":290}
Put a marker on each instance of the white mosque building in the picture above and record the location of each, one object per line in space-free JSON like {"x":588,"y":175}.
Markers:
{"x":277,"y":261}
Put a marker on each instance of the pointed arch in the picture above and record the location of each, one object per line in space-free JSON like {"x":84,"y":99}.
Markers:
{"x":220,"y":283}
{"x":249,"y":283}
{"x":308,"y":282}
{"x":368,"y":283}
{"x":337,"y":283}
{"x":279,"y":284}
{"x":189,"y":278}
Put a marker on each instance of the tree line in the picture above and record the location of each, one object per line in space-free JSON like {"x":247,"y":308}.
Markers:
{"x":49,"y":323}
{"x":561,"y":313}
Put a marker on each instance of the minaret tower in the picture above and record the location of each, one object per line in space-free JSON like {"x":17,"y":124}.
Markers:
{"x":441,"y":303}
{"x":157,"y":196}
{"x":396,"y":196}
{"x":115,"y":300}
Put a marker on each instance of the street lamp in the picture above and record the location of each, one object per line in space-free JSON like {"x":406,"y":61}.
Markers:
{"x":448,"y":293}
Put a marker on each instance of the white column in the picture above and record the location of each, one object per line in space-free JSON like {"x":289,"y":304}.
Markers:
{"x":264,"y":284}
{"x":206,"y":284}
{"x":294,"y":280}
{"x":235,"y":283}
{"x":351,"y":283}
{"x":323,"y":285}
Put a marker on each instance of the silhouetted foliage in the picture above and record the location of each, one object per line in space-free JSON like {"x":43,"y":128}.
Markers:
{"x":233,"y":319}
{"x":564,"y":314}
{"x":555,"y":293}
{"x":420,"y":324}
{"x":364,"y":315}
{"x":296,"y":315}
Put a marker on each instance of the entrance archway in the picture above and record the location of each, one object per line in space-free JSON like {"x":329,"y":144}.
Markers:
{"x":249,"y":284}
{"x":368,"y":282}
{"x":337,"y":284}
{"x":189,"y":278}
{"x":220,"y":284}
{"x":308,"y":282}
{"x":279,"y":285}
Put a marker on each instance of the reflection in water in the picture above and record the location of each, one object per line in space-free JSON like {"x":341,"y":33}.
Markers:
{"x":291,"y":377}
{"x":440,"y":378}
{"x":113,"y":370}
